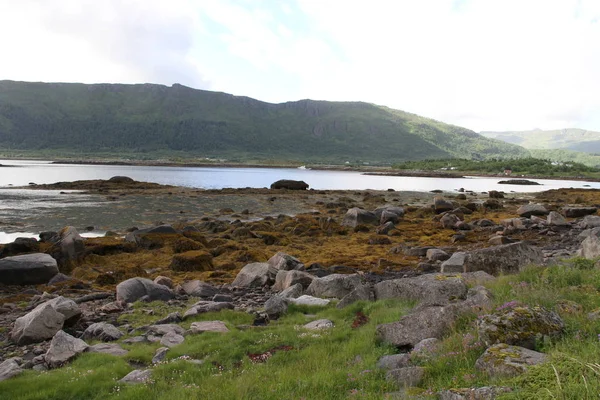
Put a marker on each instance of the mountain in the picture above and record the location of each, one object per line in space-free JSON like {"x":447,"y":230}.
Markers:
{"x":568,"y":139}
{"x":117,"y":119}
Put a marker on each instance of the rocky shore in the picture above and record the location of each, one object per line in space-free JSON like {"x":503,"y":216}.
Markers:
{"x":64,"y":295}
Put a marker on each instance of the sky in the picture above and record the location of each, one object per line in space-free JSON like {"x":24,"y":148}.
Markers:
{"x":487,"y":65}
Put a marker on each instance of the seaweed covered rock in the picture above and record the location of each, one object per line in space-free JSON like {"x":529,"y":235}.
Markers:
{"x":69,"y":248}
{"x":519,"y":326}
{"x":441,"y":205}
{"x":502,"y":360}
{"x":357,"y":216}
{"x":195,"y":260}
{"x":19,"y":246}
{"x":289,"y":184}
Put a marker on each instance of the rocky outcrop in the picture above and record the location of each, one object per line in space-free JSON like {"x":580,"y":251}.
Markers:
{"x":27,"y":269}
{"x":430,"y":289}
{"x":135,"y":289}
{"x":289,"y":184}
{"x":502,"y":360}
{"x":255,"y":275}
{"x":334,"y":285}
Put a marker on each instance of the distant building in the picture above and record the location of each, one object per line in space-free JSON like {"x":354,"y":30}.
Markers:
{"x":507,"y":170}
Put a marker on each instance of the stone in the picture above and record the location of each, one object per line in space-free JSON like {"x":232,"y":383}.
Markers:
{"x":134,"y":289}
{"x":386,"y":228}
{"x":59,"y":278}
{"x":108,"y":348}
{"x":334,"y":285}
{"x":40,"y":324}
{"x":285,"y":262}
{"x":209,"y":326}
{"x":555,"y":219}
{"x":590,"y":247}
{"x":171,"y":339}
{"x":306,"y":300}
{"x":357,"y":216}
{"x":9,"y":368}
{"x":193,"y":260}
{"x":519,"y":326}
{"x":494,"y":194}
{"x":292,"y":292}
{"x":319,"y":324}
{"x":275,"y":307}
{"x":64,"y":348}
{"x":19,"y":246}
{"x":578,"y":212}
{"x":202,"y":307}
{"x":527,"y":210}
{"x":67,"y":307}
{"x":289,"y":184}
{"x":394,"y":361}
{"x":449,"y":221}
{"x":389,"y":213}
{"x":27,"y":269}
{"x":361,"y":292}
{"x":165,"y":281}
{"x":590,"y":221}
{"x":441,"y":205}
{"x":504,"y":259}
{"x":504,"y":361}
{"x":456,"y":263}
{"x":498,"y":240}
{"x":284,"y":279}
{"x":198,"y":288}
{"x":160,"y":355}
{"x":406,"y":376}
{"x":255,"y":275}
{"x":137,"y":376}
{"x":171,"y":318}
{"x":422,"y":323}
{"x":429,"y":289}
{"x":102,"y":331}
{"x":416,"y":251}
{"x":437,"y":255}
{"x":164,"y":329}
{"x":482,"y":393}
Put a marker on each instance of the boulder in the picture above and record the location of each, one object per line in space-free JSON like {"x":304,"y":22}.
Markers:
{"x":441,"y":205}
{"x":69,"y":248}
{"x":386,"y":228}
{"x":527,"y":210}
{"x":285,"y":262}
{"x":357,"y":216}
{"x":141,"y":236}
{"x":160,"y":354}
{"x":134,"y":289}
{"x":163,"y":280}
{"x":503,"y":361}
{"x":19,"y":246}
{"x":255,"y":275}
{"x":361,"y":292}
{"x":27,"y":269}
{"x":578,"y":212}
{"x":9,"y":368}
{"x":406,"y":376}
{"x":102,"y":331}
{"x":394,"y":361}
{"x":137,"y":376}
{"x":456,"y":263}
{"x":292,"y":292}
{"x":481,"y":393}
{"x":285,"y":279}
{"x":64,"y":348}
{"x":416,"y":251}
{"x":164,"y":329}
{"x":275,"y":307}
{"x":289,"y":184}
{"x":519,"y":326}
{"x":209,"y":326}
{"x":437,"y":255}
{"x":590,"y":247}
{"x":505,"y":259}
{"x":67,"y":307}
{"x":202,"y":307}
{"x":498,"y":240}
{"x":38,"y":325}
{"x":391,"y":214}
{"x":306,"y":300}
{"x":555,"y":219}
{"x":590,"y":221}
{"x":334,"y":285}
{"x":449,"y":221}
{"x":171,"y":339}
{"x":198,"y":288}
{"x":319,"y":324}
{"x":494,"y":194}
{"x":429,"y":289}
{"x":194,"y":260}
{"x":108,"y":348}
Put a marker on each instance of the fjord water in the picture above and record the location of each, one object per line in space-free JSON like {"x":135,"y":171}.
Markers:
{"x":43,"y":172}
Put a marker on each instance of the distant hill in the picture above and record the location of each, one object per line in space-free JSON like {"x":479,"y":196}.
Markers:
{"x":567,"y":139}
{"x":135,"y":119}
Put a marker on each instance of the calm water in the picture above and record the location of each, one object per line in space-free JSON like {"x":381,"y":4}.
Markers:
{"x":40,"y":172}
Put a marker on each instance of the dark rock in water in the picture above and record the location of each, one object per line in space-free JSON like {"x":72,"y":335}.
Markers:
{"x":27,"y":269}
{"x":289,"y":184}
{"x":19,"y":246}
{"x":518,"y":182}
{"x":121,"y":179}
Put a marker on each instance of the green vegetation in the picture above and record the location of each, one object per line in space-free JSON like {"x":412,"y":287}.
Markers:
{"x":154,"y":121}
{"x":567,"y":139}
{"x":521,"y":166}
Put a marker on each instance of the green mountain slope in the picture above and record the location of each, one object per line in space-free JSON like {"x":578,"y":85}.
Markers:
{"x":117,"y":119}
{"x":568,"y":139}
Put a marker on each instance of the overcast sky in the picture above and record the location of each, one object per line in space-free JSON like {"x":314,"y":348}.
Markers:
{"x":481,"y":64}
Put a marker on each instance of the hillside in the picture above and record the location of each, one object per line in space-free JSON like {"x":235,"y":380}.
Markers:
{"x":567,"y":139}
{"x":71,"y":119}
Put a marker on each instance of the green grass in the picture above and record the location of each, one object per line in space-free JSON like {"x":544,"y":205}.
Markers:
{"x":340,"y":363}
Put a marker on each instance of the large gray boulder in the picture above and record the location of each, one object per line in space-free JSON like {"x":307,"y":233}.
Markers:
{"x":134,"y":289}
{"x":285,"y":262}
{"x":334,"y":285}
{"x":430,"y":289}
{"x":357,"y":216}
{"x":556,"y":219}
{"x":255,"y":275}
{"x":276,"y":306}
{"x":21,"y":245}
{"x":285,"y":279}
{"x":590,"y":221}
{"x":519,"y":326}
{"x":198,"y":288}
{"x":292,"y":292}
{"x":528,"y":210}
{"x":577,"y":212}
{"x":40,"y":324}
{"x":137,"y":376}
{"x":27,"y":269}
{"x":102,"y":331}
{"x":362,"y":292}
{"x":590,"y":247}
{"x":456,"y":263}
{"x":63,"y":348}
{"x":69,"y":247}
{"x":9,"y":368}
{"x":209,"y":326}
{"x":503,"y":259}
{"x":67,"y":307}
{"x":502,"y":360}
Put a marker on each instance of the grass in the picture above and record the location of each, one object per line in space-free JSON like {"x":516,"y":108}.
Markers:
{"x":284,"y":361}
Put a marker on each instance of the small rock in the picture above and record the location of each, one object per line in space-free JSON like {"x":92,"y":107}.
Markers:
{"x":64,"y":348}
{"x":319,"y":324}
{"x":108,"y":348}
{"x":171,"y":339}
{"x":160,"y":355}
{"x":502,"y":360}
{"x":137,"y":376}
{"x":9,"y":368}
{"x":102,"y":331}
{"x":306,"y":300}
{"x":394,"y":361}
{"x":406,"y":376}
{"x":209,"y":326}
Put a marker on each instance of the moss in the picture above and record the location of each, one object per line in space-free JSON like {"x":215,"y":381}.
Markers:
{"x":196,"y":260}
{"x":184,"y":244}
